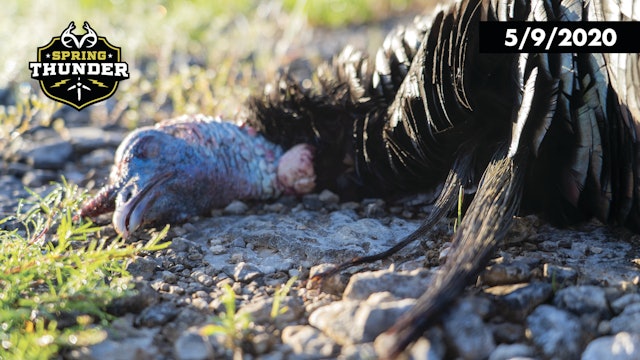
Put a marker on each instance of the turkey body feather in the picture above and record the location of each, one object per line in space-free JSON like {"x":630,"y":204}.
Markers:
{"x":550,"y":133}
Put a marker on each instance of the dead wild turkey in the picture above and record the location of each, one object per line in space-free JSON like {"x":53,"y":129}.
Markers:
{"x":553,"y":134}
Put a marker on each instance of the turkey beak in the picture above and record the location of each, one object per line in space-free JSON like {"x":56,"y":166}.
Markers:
{"x":133,"y":203}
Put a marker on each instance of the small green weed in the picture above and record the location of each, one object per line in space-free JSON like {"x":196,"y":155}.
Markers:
{"x":280,"y":294}
{"x":458,"y":220}
{"x":55,"y":270}
{"x":232,"y":325}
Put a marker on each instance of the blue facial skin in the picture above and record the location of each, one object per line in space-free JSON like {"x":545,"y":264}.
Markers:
{"x":169,"y":173}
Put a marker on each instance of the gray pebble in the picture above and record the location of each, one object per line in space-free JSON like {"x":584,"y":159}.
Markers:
{"x":236,"y":207}
{"x":328,"y":197}
{"x":202,"y":278}
{"x":518,"y":300}
{"x":358,"y":352}
{"x":333,"y":285}
{"x":512,"y":351}
{"x":556,"y":333}
{"x":584,"y":299}
{"x":620,"y":303}
{"x":98,"y":158}
{"x":157,"y":315}
{"x":312,"y":202}
{"x":243,"y":272}
{"x":628,"y":320}
{"x":308,"y":341}
{"x":50,"y":155}
{"x":192,"y":346}
{"x":402,"y":285}
{"x":181,"y":244}
{"x":129,"y":344}
{"x":169,"y":277}
{"x":36,"y":178}
{"x":622,"y":346}
{"x":260,"y":310}
{"x":144,"y":267}
{"x":467,"y":333}
{"x":86,"y":139}
{"x":500,"y":274}
{"x":353,"y":322}
{"x":375,"y":209}
{"x":560,"y":275}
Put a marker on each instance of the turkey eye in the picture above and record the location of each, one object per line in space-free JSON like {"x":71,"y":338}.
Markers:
{"x":148,"y":148}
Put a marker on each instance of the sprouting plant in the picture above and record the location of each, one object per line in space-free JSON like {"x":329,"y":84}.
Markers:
{"x":458,"y":220}
{"x":279,"y":295}
{"x":52,"y":267}
{"x":231,"y":324}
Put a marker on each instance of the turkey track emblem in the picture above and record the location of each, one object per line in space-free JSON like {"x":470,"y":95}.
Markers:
{"x":79,"y":70}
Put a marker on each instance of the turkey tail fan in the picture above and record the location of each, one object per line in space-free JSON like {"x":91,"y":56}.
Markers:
{"x":487,"y":219}
{"x":496,"y":201}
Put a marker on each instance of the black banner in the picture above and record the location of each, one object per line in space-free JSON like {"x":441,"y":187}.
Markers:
{"x":560,"y":37}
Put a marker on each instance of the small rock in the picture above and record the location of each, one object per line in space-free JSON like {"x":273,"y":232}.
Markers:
{"x":622,"y":302}
{"x":132,"y":348}
{"x":157,"y":315}
{"x":275,"y":207}
{"x":86,"y":139}
{"x":561,"y":275}
{"x":467,"y":333}
{"x":126,"y":342}
{"x":169,"y":277}
{"x":511,"y":351}
{"x":582,"y":300}
{"x":518,"y":300}
{"x":427,"y":349}
{"x":243,"y":272}
{"x":349,"y":205}
{"x":402,"y":285}
{"x":628,"y":320}
{"x":308,"y":341}
{"x":180,"y":244}
{"x":261,"y":343}
{"x":236,"y":207}
{"x":50,"y":156}
{"x":501,"y":274}
{"x":556,"y":333}
{"x":622,"y":346}
{"x":143,"y":267}
{"x":358,"y":352}
{"x":98,"y":158}
{"x":374,"y":209}
{"x":312,"y":202}
{"x":335,"y":284}
{"x":353,"y":322}
{"x":328,"y":197}
{"x":202,"y":278}
{"x":36,"y":178}
{"x":508,"y":332}
{"x":260,"y":310}
{"x":192,"y":346}
{"x":143,"y":297}
{"x":336,"y":320}
{"x":430,"y":348}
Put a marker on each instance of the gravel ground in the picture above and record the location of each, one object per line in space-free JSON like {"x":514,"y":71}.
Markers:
{"x":550,"y":293}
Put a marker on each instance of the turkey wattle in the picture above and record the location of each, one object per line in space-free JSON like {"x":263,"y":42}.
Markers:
{"x":550,"y":133}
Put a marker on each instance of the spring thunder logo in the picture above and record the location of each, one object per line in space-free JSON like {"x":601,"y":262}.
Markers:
{"x":79,"y":70}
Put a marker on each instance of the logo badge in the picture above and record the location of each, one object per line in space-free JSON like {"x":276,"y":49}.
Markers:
{"x":79,"y":70}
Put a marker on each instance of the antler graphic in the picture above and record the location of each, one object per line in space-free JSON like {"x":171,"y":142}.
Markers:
{"x":68,"y":38}
{"x":91,"y":37}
